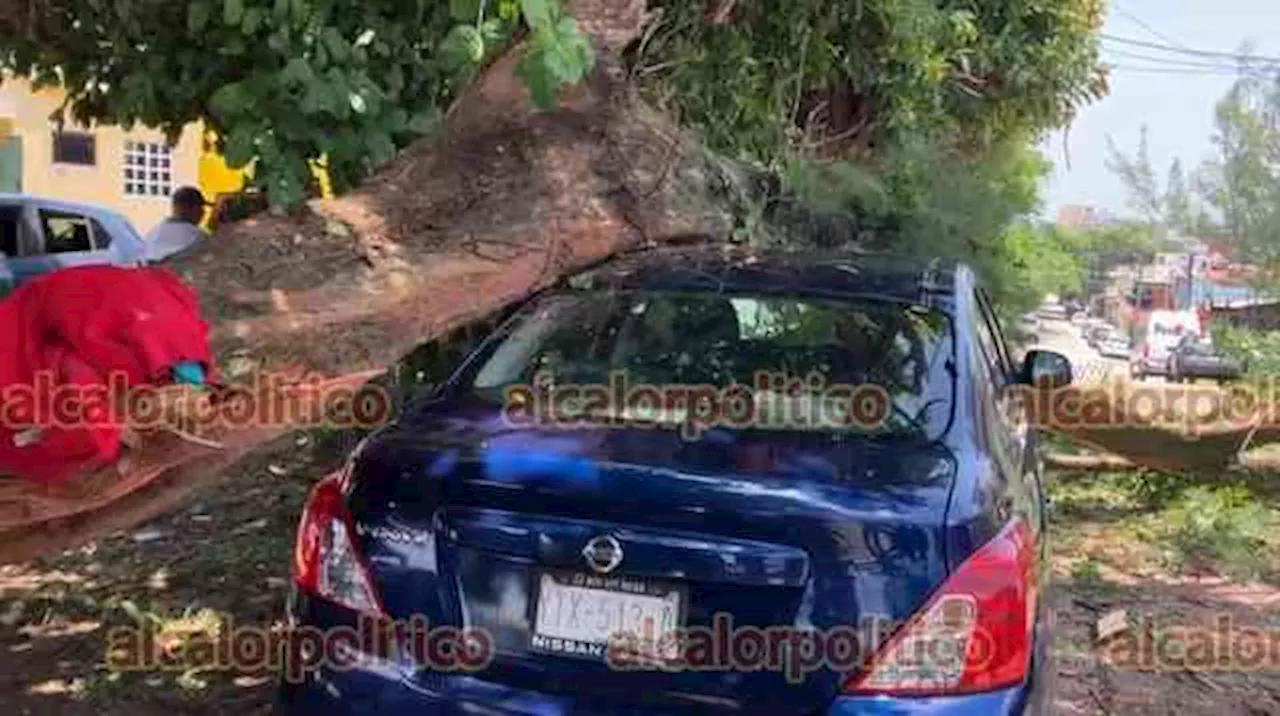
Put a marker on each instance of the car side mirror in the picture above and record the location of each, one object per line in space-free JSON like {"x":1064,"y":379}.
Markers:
{"x":1046,"y":369}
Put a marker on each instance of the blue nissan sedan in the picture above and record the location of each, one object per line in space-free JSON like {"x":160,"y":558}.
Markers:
{"x":695,"y":481}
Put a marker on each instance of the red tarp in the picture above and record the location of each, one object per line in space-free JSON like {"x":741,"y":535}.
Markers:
{"x":71,"y":338}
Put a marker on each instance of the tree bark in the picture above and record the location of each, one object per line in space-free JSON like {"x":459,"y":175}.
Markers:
{"x":502,"y":202}
{"x":1087,"y":463}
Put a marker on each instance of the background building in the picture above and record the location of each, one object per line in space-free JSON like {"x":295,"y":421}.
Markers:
{"x":1076,"y":216}
{"x":133,"y":172}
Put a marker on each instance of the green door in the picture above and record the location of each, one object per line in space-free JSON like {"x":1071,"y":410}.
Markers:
{"x":11,"y":164}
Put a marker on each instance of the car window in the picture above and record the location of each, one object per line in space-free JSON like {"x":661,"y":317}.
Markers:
{"x":997,"y":361}
{"x":65,"y":232}
{"x":101,"y":237}
{"x":997,"y":333}
{"x":10,"y":223}
{"x":679,"y":339}
{"x":990,"y":376}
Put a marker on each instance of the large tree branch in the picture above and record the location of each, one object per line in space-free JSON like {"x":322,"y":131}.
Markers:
{"x":355,"y":283}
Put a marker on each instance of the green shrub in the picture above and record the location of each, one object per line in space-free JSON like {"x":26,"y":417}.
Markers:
{"x":1222,"y":528}
{"x":1086,"y":574}
{"x":1259,"y":350}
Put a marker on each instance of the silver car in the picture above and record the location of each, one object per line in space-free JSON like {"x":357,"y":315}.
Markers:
{"x":38,"y":235}
{"x":1114,"y":345}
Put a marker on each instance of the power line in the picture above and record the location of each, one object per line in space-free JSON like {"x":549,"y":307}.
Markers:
{"x":1222,"y":72}
{"x":1187,"y":51}
{"x":1141,"y":23}
{"x":1170,"y":61}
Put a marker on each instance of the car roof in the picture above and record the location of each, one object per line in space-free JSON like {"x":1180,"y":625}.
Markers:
{"x":61,"y":204}
{"x":729,"y":268}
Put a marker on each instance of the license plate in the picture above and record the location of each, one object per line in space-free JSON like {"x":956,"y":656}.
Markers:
{"x":578,"y":615}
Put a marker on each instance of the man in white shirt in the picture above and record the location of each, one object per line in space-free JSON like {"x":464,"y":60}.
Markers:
{"x":180,"y":231}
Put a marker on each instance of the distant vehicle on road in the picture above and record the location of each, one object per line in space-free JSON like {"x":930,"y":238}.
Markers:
{"x":1195,"y":357}
{"x":1052,"y":311}
{"x":38,"y":235}
{"x":1158,"y":335}
{"x":1114,"y":344}
{"x":1095,"y":334}
{"x":1089,"y":324}
{"x":1030,"y":323}
{"x":1078,"y":318}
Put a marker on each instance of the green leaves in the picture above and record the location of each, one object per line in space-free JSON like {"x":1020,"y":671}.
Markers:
{"x":253,"y":19}
{"x":198,"y":16}
{"x":424,"y":122}
{"x":464,"y":10}
{"x":559,"y":54}
{"x":351,"y":89}
{"x":335,"y":45}
{"x":297,"y":72}
{"x":540,"y":14}
{"x":285,"y":81}
{"x":232,"y":12}
{"x":380,"y":147}
{"x":463,"y":47}
{"x":229,"y":102}
{"x":239,"y":148}
{"x":967,"y":74}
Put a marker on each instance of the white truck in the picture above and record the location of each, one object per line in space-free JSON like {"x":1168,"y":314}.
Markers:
{"x":1156,"y":337}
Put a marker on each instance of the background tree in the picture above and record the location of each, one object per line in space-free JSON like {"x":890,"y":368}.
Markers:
{"x":1178,"y":211}
{"x":1242,"y":182}
{"x":1179,"y":207}
{"x":1139,"y":178}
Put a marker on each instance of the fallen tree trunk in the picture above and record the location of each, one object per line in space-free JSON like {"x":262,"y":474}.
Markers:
{"x":1087,"y":463}
{"x":1111,"y":463}
{"x":1160,"y":427}
{"x":501,"y":203}
{"x":506,"y":202}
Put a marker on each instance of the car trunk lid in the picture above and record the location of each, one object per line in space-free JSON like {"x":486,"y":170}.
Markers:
{"x":546,"y":540}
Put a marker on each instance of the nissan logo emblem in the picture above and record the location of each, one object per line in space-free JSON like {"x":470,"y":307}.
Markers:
{"x":603,"y":554}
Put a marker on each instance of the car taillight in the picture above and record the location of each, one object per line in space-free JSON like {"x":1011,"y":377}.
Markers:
{"x":325,"y":561}
{"x":974,"y":634}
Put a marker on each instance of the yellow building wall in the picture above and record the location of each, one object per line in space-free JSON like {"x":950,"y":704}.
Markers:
{"x":215,"y":177}
{"x":29,"y":112}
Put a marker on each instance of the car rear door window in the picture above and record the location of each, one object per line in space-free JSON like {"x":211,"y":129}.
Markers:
{"x":994,"y":335}
{"x":999,"y":409}
{"x":65,"y":232}
{"x":101,"y":237}
{"x":987,"y":346}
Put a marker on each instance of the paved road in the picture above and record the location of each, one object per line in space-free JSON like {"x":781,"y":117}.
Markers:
{"x":1086,"y":363}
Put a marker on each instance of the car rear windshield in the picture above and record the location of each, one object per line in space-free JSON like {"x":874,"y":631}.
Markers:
{"x":795,"y":350}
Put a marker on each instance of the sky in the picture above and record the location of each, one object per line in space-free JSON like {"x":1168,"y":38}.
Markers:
{"x":1176,"y":102}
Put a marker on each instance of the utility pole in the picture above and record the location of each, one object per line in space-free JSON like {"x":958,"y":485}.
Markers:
{"x":1191,"y":280}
